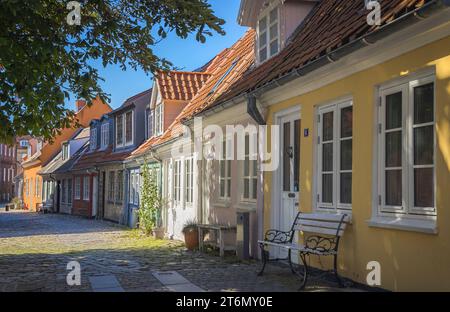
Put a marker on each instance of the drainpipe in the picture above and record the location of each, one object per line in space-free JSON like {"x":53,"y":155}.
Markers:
{"x":253,"y":111}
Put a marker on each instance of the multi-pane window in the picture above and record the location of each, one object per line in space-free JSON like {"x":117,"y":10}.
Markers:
{"x":77,"y":193}
{"x":250,"y":177}
{"x":69,"y":191}
{"x":119,"y":186}
{"x":225,"y":171}
{"x":177,"y":181}
{"x":65,"y":151}
{"x":335,"y":142}
{"x":149,"y":123}
{"x":124,"y":129}
{"x":119,"y":130}
{"x":159,"y":119}
{"x":268,"y":35}
{"x":86,"y":188}
{"x":111,"y":185}
{"x":189,"y":180}
{"x":38,"y":187}
{"x":129,"y":128}
{"x":134,"y":186}
{"x":407,"y":148}
{"x":105,"y":134}
{"x":93,"y":141}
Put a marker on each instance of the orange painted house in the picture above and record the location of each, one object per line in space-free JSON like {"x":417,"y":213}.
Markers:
{"x":32,"y":182}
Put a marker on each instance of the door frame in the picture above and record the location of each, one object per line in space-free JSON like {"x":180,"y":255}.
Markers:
{"x":277,"y":198}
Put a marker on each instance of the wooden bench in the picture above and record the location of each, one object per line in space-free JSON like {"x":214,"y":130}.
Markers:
{"x":219,"y":231}
{"x":322,"y":233}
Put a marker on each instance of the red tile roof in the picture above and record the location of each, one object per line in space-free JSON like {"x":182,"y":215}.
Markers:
{"x":331,"y":24}
{"x":180,"y":86}
{"x":241,"y":56}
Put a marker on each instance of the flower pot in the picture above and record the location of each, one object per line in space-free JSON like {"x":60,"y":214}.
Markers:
{"x":191,"y":238}
{"x":158,"y":233}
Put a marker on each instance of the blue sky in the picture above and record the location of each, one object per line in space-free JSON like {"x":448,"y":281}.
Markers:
{"x":186,"y":54}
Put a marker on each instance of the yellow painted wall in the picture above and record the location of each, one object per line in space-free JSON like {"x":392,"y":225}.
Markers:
{"x":410,"y":261}
{"x":31,"y":199}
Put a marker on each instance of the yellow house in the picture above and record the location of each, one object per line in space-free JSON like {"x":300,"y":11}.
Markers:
{"x":364,"y":116}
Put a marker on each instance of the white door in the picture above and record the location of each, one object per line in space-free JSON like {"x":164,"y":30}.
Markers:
{"x":288,"y":186}
{"x":95,"y":197}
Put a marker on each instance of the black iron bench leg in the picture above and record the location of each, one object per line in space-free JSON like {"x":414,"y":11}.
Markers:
{"x":305,"y":271}
{"x":339,"y":280}
{"x":264,"y":259}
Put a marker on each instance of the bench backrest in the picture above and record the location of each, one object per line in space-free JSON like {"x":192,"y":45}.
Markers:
{"x":321,"y":223}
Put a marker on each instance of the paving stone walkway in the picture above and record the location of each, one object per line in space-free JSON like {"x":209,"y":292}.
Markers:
{"x":35,"y":250}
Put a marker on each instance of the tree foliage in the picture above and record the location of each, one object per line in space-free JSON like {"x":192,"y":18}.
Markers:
{"x":43,"y":59}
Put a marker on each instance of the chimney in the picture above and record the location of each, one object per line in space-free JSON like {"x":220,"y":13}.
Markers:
{"x":79,"y":104}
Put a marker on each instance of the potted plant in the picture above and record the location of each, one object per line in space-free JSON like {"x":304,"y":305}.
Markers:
{"x":150,"y":210}
{"x":190,"y":231}
{"x":16,"y":202}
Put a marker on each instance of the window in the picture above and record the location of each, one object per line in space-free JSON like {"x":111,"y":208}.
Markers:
{"x":177,"y":181}
{"x":86,"y":188}
{"x":105,"y":134}
{"x":149,"y":123}
{"x":119,"y":130}
{"x":159,"y":126}
{"x":334,"y":150}
{"x":111,"y":189}
{"x":93,"y":142}
{"x":218,"y":83}
{"x":119,"y":185}
{"x":38,"y":187}
{"x":268,"y":35}
{"x":23,"y":143}
{"x":63,"y":191}
{"x":69,"y":191}
{"x":250,"y":177}
{"x":407,"y":148}
{"x":189,"y":181}
{"x":124,"y":129}
{"x":134,"y":186}
{"x":65,"y":151}
{"x":77,"y":188}
{"x":225,"y":171}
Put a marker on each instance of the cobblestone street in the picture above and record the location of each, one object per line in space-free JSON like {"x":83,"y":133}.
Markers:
{"x":35,"y":250}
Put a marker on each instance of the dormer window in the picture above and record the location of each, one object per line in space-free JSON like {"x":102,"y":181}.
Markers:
{"x":93,"y":141}
{"x":268,"y":35}
{"x":105,"y":134}
{"x":124,"y":129}
{"x":65,"y":151}
{"x":159,"y":119}
{"x":149,"y":113}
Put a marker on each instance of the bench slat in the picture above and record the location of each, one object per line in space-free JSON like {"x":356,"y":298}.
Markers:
{"x":321,"y":224}
{"x":323,"y":217}
{"x":320,"y":230}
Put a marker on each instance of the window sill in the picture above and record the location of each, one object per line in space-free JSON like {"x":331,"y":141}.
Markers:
{"x":222,"y":204}
{"x":413,"y":225}
{"x":246,"y":207}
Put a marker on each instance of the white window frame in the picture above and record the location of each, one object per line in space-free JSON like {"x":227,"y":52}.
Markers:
{"x":65,"y":151}
{"x":252,"y":175}
{"x":177,"y":185}
{"x":124,"y":128}
{"x":86,"y":188}
{"x":266,"y":14}
{"x":149,"y":123}
{"x":159,"y":119}
{"x":77,"y":188}
{"x":119,"y":186}
{"x":93,"y":142}
{"x":105,"y":135}
{"x":134,"y":192}
{"x":407,"y":210}
{"x":226,"y":158}
{"x":336,"y":206}
{"x":189,"y":180}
